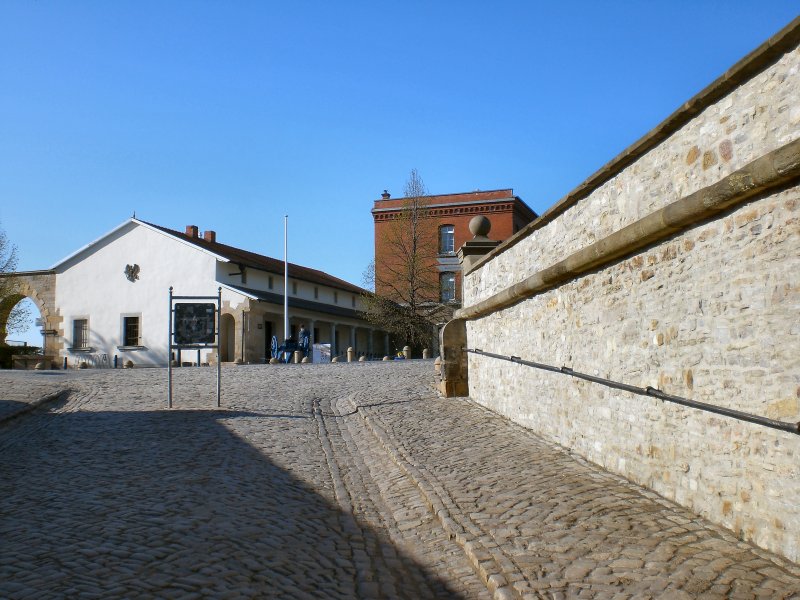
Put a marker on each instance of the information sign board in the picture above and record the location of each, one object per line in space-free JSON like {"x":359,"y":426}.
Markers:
{"x":194,"y":323}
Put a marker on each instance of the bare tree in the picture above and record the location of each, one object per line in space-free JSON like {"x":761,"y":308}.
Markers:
{"x":18,"y":317}
{"x":406,"y":299}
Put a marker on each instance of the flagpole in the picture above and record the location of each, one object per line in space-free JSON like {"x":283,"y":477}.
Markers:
{"x":285,"y":277}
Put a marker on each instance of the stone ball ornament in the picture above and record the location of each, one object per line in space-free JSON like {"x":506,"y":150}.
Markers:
{"x":480,"y":226}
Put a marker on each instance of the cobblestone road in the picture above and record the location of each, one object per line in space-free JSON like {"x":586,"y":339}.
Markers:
{"x":328,"y":481}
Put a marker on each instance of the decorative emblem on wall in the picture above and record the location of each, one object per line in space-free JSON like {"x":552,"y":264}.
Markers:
{"x":132,"y":272}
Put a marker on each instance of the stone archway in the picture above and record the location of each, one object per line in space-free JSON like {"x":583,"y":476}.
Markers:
{"x":40,"y":287}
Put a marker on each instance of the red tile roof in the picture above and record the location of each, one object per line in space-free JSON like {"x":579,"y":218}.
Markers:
{"x":263,"y":263}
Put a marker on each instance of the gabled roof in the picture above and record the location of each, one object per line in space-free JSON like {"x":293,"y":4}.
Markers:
{"x":259,"y":261}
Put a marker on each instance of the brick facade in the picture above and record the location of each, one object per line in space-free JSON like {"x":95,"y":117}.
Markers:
{"x":507,"y":212}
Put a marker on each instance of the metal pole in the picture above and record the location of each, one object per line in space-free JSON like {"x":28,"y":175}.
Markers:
{"x":285,"y":277}
{"x":169,"y":353}
{"x":219,"y":361}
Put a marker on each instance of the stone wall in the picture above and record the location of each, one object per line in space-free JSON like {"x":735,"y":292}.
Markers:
{"x":759,"y":116}
{"x":709,"y":313}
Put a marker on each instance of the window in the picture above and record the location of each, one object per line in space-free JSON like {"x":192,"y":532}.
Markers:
{"x":269,"y":282}
{"x":294,"y":288}
{"x":80,"y":333}
{"x":130,"y":331}
{"x":447,"y":287}
{"x":447,"y":240}
{"x":316,"y":292}
{"x":336,"y":297}
{"x":354,"y":301}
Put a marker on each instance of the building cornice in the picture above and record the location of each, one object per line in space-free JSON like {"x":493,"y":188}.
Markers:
{"x":462,"y":208}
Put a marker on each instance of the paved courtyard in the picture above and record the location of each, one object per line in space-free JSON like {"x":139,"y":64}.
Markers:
{"x":327,"y":481}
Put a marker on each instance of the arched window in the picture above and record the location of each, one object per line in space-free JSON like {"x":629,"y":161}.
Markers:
{"x":447,"y":240}
{"x":447,"y":287}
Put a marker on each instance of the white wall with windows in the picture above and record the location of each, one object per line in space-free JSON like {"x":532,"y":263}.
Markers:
{"x":256,"y":279}
{"x":105,"y":312}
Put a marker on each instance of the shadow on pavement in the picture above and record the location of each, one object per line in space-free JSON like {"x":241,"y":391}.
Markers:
{"x":176,"y":504}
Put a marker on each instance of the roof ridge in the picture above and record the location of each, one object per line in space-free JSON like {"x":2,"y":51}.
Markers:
{"x":241,"y":256}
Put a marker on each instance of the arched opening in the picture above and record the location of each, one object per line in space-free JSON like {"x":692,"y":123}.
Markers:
{"x":227,"y":338}
{"x":20,"y":328}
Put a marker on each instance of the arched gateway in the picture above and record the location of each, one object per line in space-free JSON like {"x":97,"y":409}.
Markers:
{"x":40,"y":287}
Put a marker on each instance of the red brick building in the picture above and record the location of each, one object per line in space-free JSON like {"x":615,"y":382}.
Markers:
{"x":451,"y":214}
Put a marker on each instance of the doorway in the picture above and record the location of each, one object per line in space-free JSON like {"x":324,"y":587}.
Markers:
{"x":227,"y":335}
{"x":267,"y":340}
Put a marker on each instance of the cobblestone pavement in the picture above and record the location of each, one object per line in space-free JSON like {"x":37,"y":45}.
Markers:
{"x":21,"y":391}
{"x":329,"y":481}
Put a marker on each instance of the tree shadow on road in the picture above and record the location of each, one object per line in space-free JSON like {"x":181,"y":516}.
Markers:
{"x":177,"y":504}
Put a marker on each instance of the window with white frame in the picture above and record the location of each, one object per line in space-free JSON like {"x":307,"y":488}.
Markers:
{"x":80,"y":333}
{"x":447,"y":287}
{"x":447,"y":239}
{"x":131,"y":331}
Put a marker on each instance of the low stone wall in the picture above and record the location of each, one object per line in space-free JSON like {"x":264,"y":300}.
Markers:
{"x":709,"y":312}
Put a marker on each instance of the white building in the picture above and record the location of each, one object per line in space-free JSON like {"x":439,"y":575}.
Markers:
{"x":112,"y":299}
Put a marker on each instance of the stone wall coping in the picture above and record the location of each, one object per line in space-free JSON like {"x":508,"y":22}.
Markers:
{"x":742,"y":71}
{"x":25,"y":273}
{"x":775,"y":169}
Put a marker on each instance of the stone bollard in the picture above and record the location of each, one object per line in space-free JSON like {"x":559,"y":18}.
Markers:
{"x":426,"y":353}
{"x":273,"y":361}
{"x":350,"y":354}
{"x":129,"y":364}
{"x":298,"y":356}
{"x":335,"y":359}
{"x":386,"y":358}
{"x":407,"y":352}
{"x":362,"y":358}
{"x":305,"y":360}
{"x":437,"y":365}
{"x":40,"y":366}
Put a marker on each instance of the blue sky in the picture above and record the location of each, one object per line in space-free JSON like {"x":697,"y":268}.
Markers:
{"x":228,"y":115}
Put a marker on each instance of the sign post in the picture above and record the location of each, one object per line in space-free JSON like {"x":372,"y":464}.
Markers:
{"x":194,"y":326}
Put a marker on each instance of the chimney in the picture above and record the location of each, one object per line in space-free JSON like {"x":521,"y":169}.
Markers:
{"x":385,"y":195}
{"x":192,"y":231}
{"x":210,"y":236}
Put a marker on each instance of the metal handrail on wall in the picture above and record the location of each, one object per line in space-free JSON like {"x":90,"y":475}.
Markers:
{"x":648,"y":391}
